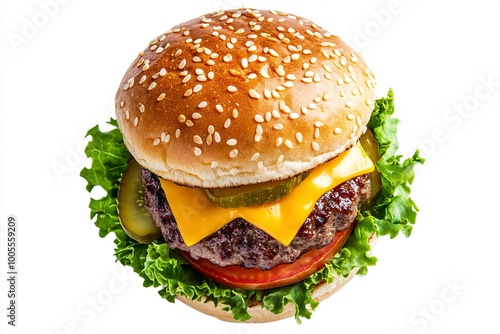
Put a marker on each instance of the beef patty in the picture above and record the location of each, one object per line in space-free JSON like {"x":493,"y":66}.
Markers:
{"x":240,"y":243}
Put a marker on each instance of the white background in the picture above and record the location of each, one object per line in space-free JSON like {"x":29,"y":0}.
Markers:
{"x":61,"y":62}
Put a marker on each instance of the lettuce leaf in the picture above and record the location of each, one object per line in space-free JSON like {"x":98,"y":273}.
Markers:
{"x":165,"y":269}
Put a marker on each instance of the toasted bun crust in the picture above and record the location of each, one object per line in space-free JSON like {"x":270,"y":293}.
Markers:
{"x":259,"y":314}
{"x":243,"y":96}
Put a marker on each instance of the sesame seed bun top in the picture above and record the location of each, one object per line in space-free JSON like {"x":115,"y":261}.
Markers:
{"x":243,"y":96}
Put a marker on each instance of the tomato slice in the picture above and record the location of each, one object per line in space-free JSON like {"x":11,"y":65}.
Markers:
{"x":281,"y":275}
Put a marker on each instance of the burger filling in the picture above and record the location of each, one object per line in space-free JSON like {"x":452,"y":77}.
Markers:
{"x":241,"y":243}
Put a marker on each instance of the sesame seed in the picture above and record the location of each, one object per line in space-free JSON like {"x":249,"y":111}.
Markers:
{"x":315,"y":146}
{"x":188,"y":92}
{"x":152,"y":85}
{"x":227,"y":123}
{"x":255,"y":156}
{"x":280,"y":158}
{"x":136,"y":121}
{"x":161,"y":97}
{"x":337,"y":131}
{"x":197,"y":88}
{"x":127,"y":114}
{"x":316,"y":133}
{"x":196,"y":59}
{"x":275,"y":94}
{"x":231,"y":142}
{"x":217,"y":137}
{"x":142,"y":108}
{"x":202,"y":104}
{"x":156,"y":142}
{"x":279,"y":141}
{"x":368,"y":102}
{"x":307,"y":80}
{"x":209,"y":140}
{"x":197,"y":151}
{"x":167,"y":138}
{"x":214,"y":164}
{"x":257,"y":138}
{"x":264,"y":72}
{"x":260,"y":164}
{"x":358,"y":121}
{"x":196,"y":115}
{"x":232,"y":89}
{"x":298,"y":136}
{"x":197,"y":139}
{"x":259,"y":130}
{"x":278,"y":126}
{"x":258,"y":118}
{"x":211,"y":75}
{"x":189,"y":123}
{"x":348,"y":104}
{"x":350,"y":117}
{"x":253,"y":93}
{"x":233,"y":153}
{"x":294,"y":115}
{"x":275,"y":114}
{"x":182,"y":64}
{"x":273,"y":53}
{"x":268,"y":116}
{"x":219,"y":108}
{"x":280,"y":71}
{"x":143,"y":78}
{"x":244,"y":63}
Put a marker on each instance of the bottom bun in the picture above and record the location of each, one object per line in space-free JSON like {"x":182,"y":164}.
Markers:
{"x":260,"y":314}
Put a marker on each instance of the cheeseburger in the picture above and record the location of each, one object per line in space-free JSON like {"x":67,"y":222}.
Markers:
{"x":250,"y":167}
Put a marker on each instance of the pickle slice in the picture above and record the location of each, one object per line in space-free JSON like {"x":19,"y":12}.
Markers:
{"x":370,"y":145}
{"x":253,"y":194}
{"x":135,"y":219}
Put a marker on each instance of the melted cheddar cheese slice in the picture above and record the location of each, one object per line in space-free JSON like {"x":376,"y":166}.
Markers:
{"x":197,"y":217}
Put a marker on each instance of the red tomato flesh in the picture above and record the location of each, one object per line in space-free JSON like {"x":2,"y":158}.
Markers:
{"x":281,"y":275}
